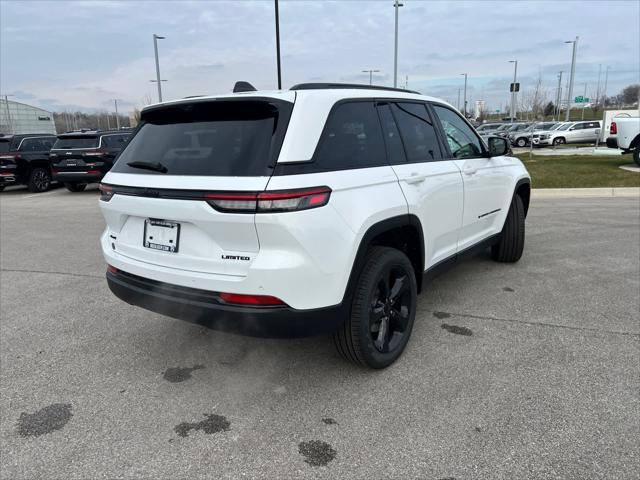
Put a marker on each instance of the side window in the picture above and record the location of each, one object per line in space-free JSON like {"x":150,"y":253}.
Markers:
{"x":31,"y":145}
{"x":352,"y":138}
{"x":417,"y":132}
{"x":593,"y":125}
{"x":462,"y":140}
{"x":395,"y":149}
{"x":114,"y":141}
{"x":47,"y":143}
{"x":577,"y":126}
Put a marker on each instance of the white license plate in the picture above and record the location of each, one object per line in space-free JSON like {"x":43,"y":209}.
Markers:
{"x":161,"y":235}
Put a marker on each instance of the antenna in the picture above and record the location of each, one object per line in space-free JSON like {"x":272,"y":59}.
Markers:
{"x":243,"y":87}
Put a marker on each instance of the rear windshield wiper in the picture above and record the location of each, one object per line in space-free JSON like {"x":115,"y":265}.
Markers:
{"x":156,"y":167}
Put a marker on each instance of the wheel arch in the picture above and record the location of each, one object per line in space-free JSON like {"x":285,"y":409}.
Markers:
{"x":403,"y":232}
{"x":523,"y":190}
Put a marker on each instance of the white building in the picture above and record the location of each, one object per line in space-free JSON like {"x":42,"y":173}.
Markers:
{"x":16,"y":118}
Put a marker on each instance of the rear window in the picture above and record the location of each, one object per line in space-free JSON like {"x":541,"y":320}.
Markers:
{"x":68,"y":143}
{"x":4,"y":145}
{"x":219,"y":138}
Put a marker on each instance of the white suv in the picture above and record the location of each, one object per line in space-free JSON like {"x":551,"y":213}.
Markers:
{"x":576,"y":132}
{"x":322,"y":209}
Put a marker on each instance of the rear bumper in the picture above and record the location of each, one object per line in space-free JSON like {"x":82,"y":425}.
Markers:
{"x":79,"y":177}
{"x":203,"y":308}
{"x":612,"y":142}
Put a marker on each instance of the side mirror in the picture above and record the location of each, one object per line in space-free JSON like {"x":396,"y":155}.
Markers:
{"x":498,"y":146}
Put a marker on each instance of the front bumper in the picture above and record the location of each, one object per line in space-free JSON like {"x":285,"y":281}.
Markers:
{"x":204,"y":308}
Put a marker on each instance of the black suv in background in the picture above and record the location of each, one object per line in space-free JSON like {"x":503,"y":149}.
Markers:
{"x":79,"y":158}
{"x":24,"y":160}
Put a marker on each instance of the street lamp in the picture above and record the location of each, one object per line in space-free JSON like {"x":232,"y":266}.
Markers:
{"x":277,"y":11}
{"x":155,"y":48}
{"x":370,"y":72}
{"x":604,"y":91}
{"x":465,"y":94}
{"x":514,"y":94}
{"x":396,"y":5}
{"x":573,"y":73}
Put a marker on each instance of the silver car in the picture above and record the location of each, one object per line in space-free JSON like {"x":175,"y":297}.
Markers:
{"x":574,"y":132}
{"x":522,"y":138}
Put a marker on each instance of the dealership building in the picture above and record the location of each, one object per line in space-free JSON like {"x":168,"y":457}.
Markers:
{"x":16,"y":118}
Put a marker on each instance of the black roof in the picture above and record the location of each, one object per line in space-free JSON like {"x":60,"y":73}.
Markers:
{"x":93,"y":133}
{"x":11,"y":136}
{"x":327,"y":86}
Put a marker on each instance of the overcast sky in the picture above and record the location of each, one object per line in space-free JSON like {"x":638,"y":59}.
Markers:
{"x":81,"y":54}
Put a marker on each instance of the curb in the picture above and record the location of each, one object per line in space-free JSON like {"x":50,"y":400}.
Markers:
{"x":585,"y":192}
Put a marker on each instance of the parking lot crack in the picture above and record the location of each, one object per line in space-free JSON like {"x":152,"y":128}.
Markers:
{"x":84,"y":275}
{"x":541,"y":324}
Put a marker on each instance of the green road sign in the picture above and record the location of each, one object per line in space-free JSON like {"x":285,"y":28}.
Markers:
{"x":581,"y":99}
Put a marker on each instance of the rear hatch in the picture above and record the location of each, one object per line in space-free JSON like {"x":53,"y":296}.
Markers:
{"x":74,"y":153}
{"x":7,"y":160}
{"x":157,"y":210}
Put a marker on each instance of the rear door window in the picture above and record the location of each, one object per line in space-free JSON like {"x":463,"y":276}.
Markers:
{"x":395,"y":149}
{"x":4,"y":145}
{"x":70,"y":142}
{"x":352,"y":138}
{"x":114,"y":141}
{"x":218,"y":138}
{"x":417,"y":131}
{"x":462,"y":140}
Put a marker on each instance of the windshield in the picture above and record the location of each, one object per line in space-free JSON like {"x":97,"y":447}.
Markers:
{"x":564,"y":127}
{"x":68,"y":143}
{"x":222,"y":138}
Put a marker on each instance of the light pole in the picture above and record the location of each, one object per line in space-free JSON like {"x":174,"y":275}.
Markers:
{"x":155,"y":48}
{"x":278,"y":44}
{"x":514,"y":94}
{"x":396,"y":5}
{"x":571,"y":78}
{"x":556,"y":111}
{"x":604,"y":91}
{"x":370,"y":72}
{"x":583,"y":97}
{"x":598,"y":87}
{"x":458,"y":99}
{"x":115,"y":102}
{"x":465,"y":95}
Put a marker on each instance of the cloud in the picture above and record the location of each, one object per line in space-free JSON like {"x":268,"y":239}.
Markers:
{"x":84,"y":54}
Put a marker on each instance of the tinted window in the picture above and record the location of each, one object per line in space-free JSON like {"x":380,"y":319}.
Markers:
{"x":564,"y":127}
{"x":48,"y":142}
{"x":33,"y":145}
{"x":67,"y":143}
{"x":221,"y":138}
{"x":395,"y":149}
{"x":578,"y":126}
{"x":417,"y":132}
{"x":352,"y":138}
{"x":462,"y":140}
{"x":4,"y":145}
{"x":593,"y":125}
{"x":114,"y":141}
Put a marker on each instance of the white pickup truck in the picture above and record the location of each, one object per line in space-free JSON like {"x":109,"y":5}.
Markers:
{"x":625,"y":134}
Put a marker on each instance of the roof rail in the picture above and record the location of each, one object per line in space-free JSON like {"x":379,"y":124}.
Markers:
{"x":325,"y":86}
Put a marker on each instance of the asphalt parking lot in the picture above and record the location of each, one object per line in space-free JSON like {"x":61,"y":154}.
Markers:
{"x":541,"y":380}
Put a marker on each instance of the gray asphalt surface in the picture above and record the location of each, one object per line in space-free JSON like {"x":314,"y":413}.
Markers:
{"x":546,"y":386}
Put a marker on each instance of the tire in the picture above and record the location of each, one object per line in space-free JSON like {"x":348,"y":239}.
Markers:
{"x":374,"y":315}
{"x":2,"y":187}
{"x":75,"y":187}
{"x":39,"y":180}
{"x":558,"y":141}
{"x":521,"y":142}
{"x":509,"y":248}
{"x":636,"y":155}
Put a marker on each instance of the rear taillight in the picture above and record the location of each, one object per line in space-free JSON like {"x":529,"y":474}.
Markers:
{"x":93,"y":172}
{"x":106,"y":192}
{"x":112,"y":269}
{"x":613,"y":129}
{"x":251,"y":300}
{"x":95,"y":153}
{"x":269,"y":202}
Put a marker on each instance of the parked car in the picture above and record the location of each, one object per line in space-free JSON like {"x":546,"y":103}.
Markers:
{"x":24,"y":160}
{"x":80,"y":158}
{"x":497,"y":132}
{"x":515,"y":127}
{"x":522,"y":137}
{"x":488,"y":128}
{"x":323,"y":209}
{"x":625,"y":134}
{"x":574,"y":132}
{"x":536,"y":135}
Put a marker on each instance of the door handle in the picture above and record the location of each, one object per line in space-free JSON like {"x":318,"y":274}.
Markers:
{"x":415,"y":178}
{"x":469,"y":170}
